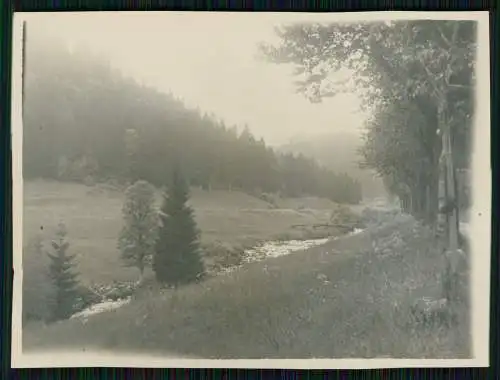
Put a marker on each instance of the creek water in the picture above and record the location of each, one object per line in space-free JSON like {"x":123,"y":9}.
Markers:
{"x":264,"y":251}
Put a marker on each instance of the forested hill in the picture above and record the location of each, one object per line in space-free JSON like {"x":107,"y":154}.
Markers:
{"x":84,"y":121}
{"x":338,"y":151}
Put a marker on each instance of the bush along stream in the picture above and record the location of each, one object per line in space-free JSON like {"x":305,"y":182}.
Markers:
{"x":99,"y":298}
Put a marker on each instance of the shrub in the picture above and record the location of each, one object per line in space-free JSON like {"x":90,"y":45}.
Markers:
{"x":343,"y":216}
{"x":219,"y":255}
{"x":431,"y":313}
{"x":85,"y":298}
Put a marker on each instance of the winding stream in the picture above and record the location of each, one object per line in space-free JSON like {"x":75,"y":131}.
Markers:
{"x":267,"y":250}
{"x":281,"y":248}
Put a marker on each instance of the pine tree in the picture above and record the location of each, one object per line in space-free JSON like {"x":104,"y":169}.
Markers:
{"x":63,"y":278}
{"x":177,"y":259}
{"x":138,"y":236}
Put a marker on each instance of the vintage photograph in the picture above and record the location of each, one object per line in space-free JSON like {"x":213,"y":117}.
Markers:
{"x":211,"y":187}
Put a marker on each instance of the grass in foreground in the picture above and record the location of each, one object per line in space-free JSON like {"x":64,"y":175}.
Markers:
{"x":349,"y":298}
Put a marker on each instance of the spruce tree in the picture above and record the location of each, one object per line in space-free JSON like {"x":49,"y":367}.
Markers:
{"x":177,"y":259}
{"x":64,"y":279}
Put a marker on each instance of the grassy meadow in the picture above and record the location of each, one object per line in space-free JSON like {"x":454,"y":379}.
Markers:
{"x":228,"y":221}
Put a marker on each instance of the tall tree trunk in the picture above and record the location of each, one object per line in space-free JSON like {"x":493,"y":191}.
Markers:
{"x":434,"y":194}
{"x":451,"y":195}
{"x":422,"y":195}
{"x":140,"y":266}
{"x":409,"y":203}
{"x":415,"y":201}
{"x":418,"y":193}
{"x":435,"y":171}
{"x":428,"y":210}
{"x":452,"y":254}
{"x":431,"y":202}
{"x":445,"y":200}
{"x":457,"y":199}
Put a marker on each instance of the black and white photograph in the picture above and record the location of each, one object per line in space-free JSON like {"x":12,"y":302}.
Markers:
{"x":256,"y":190}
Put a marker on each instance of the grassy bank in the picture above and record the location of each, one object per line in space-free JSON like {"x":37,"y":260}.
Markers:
{"x":349,"y":298}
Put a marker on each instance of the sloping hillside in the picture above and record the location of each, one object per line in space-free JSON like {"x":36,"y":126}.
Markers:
{"x":84,"y":121}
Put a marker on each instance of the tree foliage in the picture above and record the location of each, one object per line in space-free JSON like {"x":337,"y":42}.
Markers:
{"x":177,"y":258}
{"x":63,"y":276}
{"x":385,"y":58}
{"x":138,"y":235}
{"x":402,"y":70}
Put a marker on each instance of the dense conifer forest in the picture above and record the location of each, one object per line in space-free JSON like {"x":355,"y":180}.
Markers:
{"x":72,"y":97}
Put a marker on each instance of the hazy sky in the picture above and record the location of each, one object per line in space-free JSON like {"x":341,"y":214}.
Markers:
{"x":210,"y":61}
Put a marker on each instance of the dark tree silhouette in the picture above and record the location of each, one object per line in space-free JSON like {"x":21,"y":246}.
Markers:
{"x":177,"y":258}
{"x":63,"y":276}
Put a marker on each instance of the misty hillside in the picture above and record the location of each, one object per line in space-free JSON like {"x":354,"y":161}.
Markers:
{"x":339,"y":152}
{"x":86,"y":122}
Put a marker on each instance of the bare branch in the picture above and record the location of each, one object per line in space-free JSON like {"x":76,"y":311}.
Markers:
{"x":443,"y":36}
{"x":436,"y":90}
{"x":459,"y":86}
{"x":454,"y":57}
{"x":456,"y":25}
{"x":320,"y":225}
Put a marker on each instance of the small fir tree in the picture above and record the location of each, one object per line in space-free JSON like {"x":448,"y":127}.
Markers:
{"x":63,"y":277}
{"x":177,"y":259}
{"x":138,"y":236}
